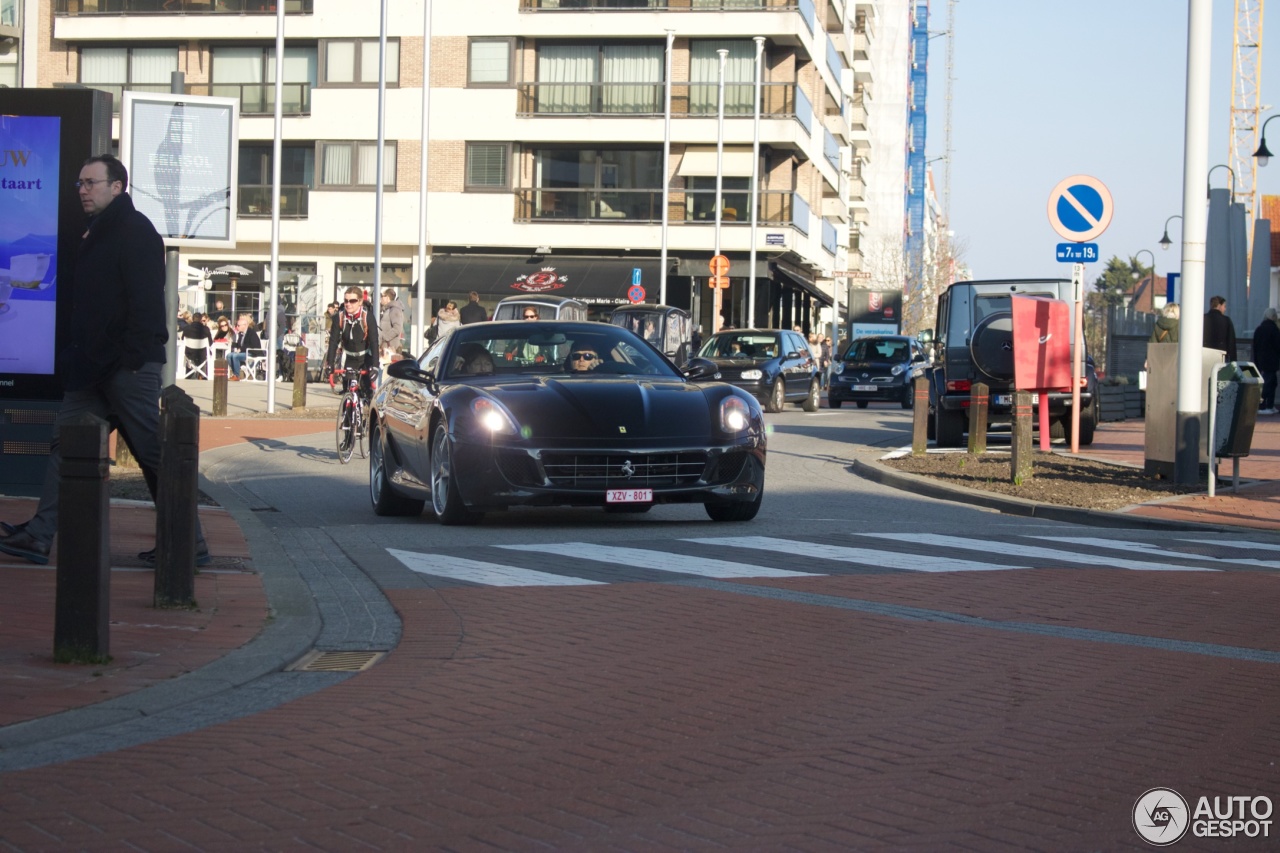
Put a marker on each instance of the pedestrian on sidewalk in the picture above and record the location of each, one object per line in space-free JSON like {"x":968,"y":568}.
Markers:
{"x":1166,"y":328}
{"x":1266,"y":355}
{"x":114,"y":346}
{"x":1219,"y":331}
{"x":391,"y":320}
{"x":473,"y":311}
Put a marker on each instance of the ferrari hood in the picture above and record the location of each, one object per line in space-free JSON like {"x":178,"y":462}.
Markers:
{"x":587,"y":409}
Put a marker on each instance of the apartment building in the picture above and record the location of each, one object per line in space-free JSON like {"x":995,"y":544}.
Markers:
{"x":547,"y":125}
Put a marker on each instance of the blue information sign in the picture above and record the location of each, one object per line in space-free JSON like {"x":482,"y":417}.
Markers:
{"x":1077,"y":253}
{"x":635,"y":275}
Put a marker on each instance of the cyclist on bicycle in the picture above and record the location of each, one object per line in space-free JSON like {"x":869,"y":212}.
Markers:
{"x":357,"y":332}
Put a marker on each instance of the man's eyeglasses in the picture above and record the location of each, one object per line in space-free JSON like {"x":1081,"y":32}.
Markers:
{"x":89,"y":183}
{"x":351,"y":301}
{"x":583,"y":356}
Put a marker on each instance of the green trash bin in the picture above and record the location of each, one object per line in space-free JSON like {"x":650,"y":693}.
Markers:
{"x":1237,"y":393}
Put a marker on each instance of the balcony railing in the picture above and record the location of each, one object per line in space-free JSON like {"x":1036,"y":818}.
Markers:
{"x":646,"y":99}
{"x":255,"y":201}
{"x":178,"y":7}
{"x":614,"y":205}
{"x":831,"y":149}
{"x":255,"y":98}
{"x":658,"y":5}
{"x":829,"y":240}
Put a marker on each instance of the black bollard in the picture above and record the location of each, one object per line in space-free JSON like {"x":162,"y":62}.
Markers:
{"x":219,"y":388}
{"x":82,"y":612}
{"x":300,"y":377}
{"x":176,"y":501}
{"x":979,"y":397}
{"x":920,"y":417}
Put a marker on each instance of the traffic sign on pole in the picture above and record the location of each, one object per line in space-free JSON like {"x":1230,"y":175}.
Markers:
{"x":1080,"y":208}
{"x":719,"y":265}
{"x":721,"y":281}
{"x":635,"y":275}
{"x":1083,"y":253}
{"x":636,"y":293}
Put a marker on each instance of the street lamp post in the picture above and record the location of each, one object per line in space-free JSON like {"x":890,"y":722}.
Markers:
{"x":1165,"y":242}
{"x":1262,"y":154}
{"x":1153,"y":273}
{"x":1230,"y":172}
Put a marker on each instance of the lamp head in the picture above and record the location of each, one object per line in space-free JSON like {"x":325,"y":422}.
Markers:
{"x":1262,"y":155}
{"x":1165,"y":242}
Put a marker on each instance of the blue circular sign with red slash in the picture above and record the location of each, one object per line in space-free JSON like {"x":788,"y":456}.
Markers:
{"x":636,"y":293}
{"x":1080,"y":208}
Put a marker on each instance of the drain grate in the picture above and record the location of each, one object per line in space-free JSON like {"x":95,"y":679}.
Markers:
{"x":318,"y":661}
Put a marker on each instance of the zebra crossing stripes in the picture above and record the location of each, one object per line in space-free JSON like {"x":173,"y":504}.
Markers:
{"x":1248,"y":546}
{"x":661,"y":561}
{"x":1145,"y":548}
{"x":480,"y":572}
{"x":860,"y":556}
{"x":1024,"y":551}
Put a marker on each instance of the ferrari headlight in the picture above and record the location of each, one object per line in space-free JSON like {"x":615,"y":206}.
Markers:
{"x":493,"y":417}
{"x":838,"y":368}
{"x":752,"y":374}
{"x":897,"y":369}
{"x":735,"y":416}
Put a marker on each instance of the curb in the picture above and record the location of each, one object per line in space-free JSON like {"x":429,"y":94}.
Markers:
{"x":927,"y":487}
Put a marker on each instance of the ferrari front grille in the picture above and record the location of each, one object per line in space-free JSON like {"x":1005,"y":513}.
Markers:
{"x":624,"y":470}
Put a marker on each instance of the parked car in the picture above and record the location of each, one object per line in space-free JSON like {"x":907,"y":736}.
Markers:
{"x":548,"y":307}
{"x":774,"y":365}
{"x":973,"y":342}
{"x":665,"y":327}
{"x":881,"y":368}
{"x":472,"y":431}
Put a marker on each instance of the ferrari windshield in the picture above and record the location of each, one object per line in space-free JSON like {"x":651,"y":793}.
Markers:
{"x":575,"y":350}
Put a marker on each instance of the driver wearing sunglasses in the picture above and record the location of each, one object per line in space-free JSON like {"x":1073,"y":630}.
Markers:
{"x":584,"y":359}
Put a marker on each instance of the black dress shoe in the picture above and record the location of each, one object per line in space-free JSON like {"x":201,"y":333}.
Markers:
{"x":23,"y":544}
{"x":10,"y":529}
{"x":202,"y":557}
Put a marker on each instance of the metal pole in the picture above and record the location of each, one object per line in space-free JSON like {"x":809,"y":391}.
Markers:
{"x":1194,"y":222}
{"x":666,"y":173}
{"x":376,"y":305}
{"x":420,"y":320}
{"x":750,"y":319}
{"x":724,"y":55}
{"x":172,"y":276}
{"x":273,"y":332}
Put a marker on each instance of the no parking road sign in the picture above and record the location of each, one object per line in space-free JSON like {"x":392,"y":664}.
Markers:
{"x":1080,"y":208}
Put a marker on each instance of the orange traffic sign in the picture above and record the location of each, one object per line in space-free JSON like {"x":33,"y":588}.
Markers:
{"x":719,"y":265}
{"x":721,"y":281}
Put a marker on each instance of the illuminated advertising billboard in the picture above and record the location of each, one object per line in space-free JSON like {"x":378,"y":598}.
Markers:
{"x":29,"y":196}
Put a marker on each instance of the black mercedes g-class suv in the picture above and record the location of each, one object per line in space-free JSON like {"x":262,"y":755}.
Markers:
{"x":973,"y":342}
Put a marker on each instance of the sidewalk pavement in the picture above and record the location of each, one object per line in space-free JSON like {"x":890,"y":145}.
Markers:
{"x":149,"y":646}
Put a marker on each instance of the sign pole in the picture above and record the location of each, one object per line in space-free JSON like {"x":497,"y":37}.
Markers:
{"x":724,"y":55}
{"x":1077,"y":352}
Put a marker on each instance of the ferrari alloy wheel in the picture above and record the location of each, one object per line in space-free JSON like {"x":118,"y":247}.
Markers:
{"x":810,"y":403}
{"x":446,"y":500}
{"x":777,"y":397}
{"x":386,"y":501}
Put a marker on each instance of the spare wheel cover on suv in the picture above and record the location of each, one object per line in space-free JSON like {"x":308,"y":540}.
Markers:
{"x":992,"y":346}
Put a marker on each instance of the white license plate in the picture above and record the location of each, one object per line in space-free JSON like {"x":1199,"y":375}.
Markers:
{"x":864,"y":388}
{"x":628,"y":496}
{"x":1007,"y":399}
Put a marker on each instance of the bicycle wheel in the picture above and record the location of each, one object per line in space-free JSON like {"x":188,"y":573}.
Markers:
{"x":345,"y":431}
{"x":362,"y":430}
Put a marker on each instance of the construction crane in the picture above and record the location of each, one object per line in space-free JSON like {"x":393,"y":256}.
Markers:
{"x":1246,"y":106}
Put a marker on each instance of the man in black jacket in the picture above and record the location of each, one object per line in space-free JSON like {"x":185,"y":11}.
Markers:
{"x":112,"y":350}
{"x":1219,"y":331}
{"x":473,"y":311}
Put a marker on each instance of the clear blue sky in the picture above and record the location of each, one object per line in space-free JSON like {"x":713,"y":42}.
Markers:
{"x":1043,"y":91}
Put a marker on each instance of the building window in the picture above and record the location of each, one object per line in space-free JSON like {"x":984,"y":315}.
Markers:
{"x":488,"y":166}
{"x":354,"y":62}
{"x":597,"y":184}
{"x":739,"y":77}
{"x":249,"y":73}
{"x":354,"y":164}
{"x":620,"y":78}
{"x":120,"y":69}
{"x":297,"y":178}
{"x":489,"y":62}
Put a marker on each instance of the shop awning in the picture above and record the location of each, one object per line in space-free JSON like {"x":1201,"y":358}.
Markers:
{"x":453,"y":276}
{"x":803,"y":283}
{"x":700,"y":161}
